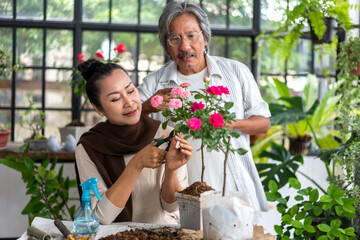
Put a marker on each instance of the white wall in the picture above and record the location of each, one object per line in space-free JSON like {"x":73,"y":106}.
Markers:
{"x":13,"y":200}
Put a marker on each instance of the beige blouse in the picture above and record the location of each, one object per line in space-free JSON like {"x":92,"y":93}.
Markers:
{"x":148,"y":205}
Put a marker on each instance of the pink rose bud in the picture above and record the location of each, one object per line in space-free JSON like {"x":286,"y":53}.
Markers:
{"x":216,"y":120}
{"x":156,"y":101}
{"x":175,"y":103}
{"x":194,"y":123}
{"x":206,"y":79}
{"x":185,"y":85}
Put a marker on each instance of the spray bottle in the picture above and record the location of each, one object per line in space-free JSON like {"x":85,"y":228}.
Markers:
{"x":86,"y":222}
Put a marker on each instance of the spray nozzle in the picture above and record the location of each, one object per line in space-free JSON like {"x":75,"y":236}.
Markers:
{"x":90,"y":184}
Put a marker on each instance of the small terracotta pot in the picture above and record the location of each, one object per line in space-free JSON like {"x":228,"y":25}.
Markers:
{"x":4,"y":137}
{"x":300,"y":146}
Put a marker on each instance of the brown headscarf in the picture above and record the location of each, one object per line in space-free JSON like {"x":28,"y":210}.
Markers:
{"x":107,"y":143}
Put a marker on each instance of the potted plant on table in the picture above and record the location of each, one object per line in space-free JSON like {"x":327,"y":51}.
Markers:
{"x":34,"y":120}
{"x":206,"y":119}
{"x":77,"y":127}
{"x":4,"y":135}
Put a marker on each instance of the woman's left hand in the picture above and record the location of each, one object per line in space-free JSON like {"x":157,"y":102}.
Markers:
{"x":177,"y":157}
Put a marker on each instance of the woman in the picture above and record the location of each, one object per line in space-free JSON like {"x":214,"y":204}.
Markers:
{"x":134,"y":184}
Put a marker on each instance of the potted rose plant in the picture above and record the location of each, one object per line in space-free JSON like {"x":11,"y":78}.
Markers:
{"x":206,"y":119}
{"x":76,"y":127}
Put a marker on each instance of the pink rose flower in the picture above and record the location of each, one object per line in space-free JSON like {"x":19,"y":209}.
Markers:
{"x":175,"y":103}
{"x":197,"y":106}
{"x":216,"y":120}
{"x":185,"y":85}
{"x":224,"y":90}
{"x":194,"y":123}
{"x":156,"y":101}
{"x":214,"y":90}
{"x":99,"y":54}
{"x":176,"y":91}
{"x":185,"y":94}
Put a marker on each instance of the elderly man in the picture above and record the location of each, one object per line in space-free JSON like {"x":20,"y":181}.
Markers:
{"x":184,"y":33}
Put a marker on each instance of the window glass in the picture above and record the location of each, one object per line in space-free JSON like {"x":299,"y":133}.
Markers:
{"x":94,"y":41}
{"x":151,"y":55}
{"x":59,"y":48}
{"x":28,"y":86}
{"x":300,"y":60}
{"x":127,"y":59}
{"x":324,"y":59}
{"x":54,"y":120}
{"x":216,"y":11}
{"x":29,"y":46}
{"x":217,"y":46}
{"x":268,"y":89}
{"x":6,"y":8}
{"x":21,"y":133}
{"x":151,"y":11}
{"x":270,"y":63}
{"x":60,"y":10}
{"x":125,"y":11}
{"x":58,"y":88}
{"x":272,"y":11}
{"x":240,"y":49}
{"x":30,"y":9}
{"x":5,"y":118}
{"x":96,"y":10}
{"x":241,"y":14}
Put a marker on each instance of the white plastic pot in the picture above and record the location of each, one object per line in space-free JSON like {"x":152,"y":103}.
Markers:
{"x":228,"y":217}
{"x":190,"y":211}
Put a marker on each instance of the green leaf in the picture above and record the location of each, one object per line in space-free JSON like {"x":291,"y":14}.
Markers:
{"x":314,"y":195}
{"x":299,"y":231}
{"x":273,"y":187}
{"x":33,"y":191}
{"x":294,"y":183}
{"x":309,"y":229}
{"x":241,"y":151}
{"x":304,"y":192}
{"x":282,"y":200}
{"x":296,"y":224}
{"x":336,"y":223}
{"x":18,"y":166}
{"x":42,"y":171}
{"x":350,"y":231}
{"x":281,"y":209}
{"x":308,"y":220}
{"x":38,"y":178}
{"x":308,"y":206}
{"x":45,"y":162}
{"x":300,"y":215}
{"x":324,"y":227}
{"x":325,"y":198}
{"x":278,"y":229}
{"x":317,"y":210}
{"x":323,"y":237}
{"x":299,"y":198}
{"x":51,"y":175}
{"x":271,"y":196}
{"x":293,"y":210}
{"x":286,"y":218}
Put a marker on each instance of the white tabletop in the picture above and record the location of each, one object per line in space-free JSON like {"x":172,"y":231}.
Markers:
{"x":47,"y":225}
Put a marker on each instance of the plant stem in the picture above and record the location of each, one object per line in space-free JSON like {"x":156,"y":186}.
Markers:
{"x":225,"y":162}
{"x":313,"y":181}
{"x":202,"y":162}
{"x":46,"y":200}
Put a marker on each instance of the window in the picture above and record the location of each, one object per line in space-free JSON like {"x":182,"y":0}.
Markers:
{"x":45,"y":37}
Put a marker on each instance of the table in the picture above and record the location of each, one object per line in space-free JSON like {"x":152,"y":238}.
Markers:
{"x":47,"y":225}
{"x":63,"y":157}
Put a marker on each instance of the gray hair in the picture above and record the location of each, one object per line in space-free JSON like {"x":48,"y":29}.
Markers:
{"x":174,"y":9}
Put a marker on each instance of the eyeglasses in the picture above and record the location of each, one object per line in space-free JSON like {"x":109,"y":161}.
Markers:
{"x":174,"y":40}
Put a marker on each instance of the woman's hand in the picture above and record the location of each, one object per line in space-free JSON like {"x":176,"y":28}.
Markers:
{"x":177,"y":157}
{"x":149,"y":157}
{"x":147,"y":108}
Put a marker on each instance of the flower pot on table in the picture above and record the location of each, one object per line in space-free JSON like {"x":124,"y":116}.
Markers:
{"x":4,"y":137}
{"x":37,"y":145}
{"x":227,"y":217}
{"x":190,"y":211}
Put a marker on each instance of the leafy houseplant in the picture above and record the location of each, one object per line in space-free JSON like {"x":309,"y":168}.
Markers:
{"x":48,"y":188}
{"x":316,"y":13}
{"x":33,"y":119}
{"x":311,"y":217}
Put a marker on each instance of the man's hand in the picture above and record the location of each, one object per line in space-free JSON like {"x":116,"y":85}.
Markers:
{"x":147,"y":108}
